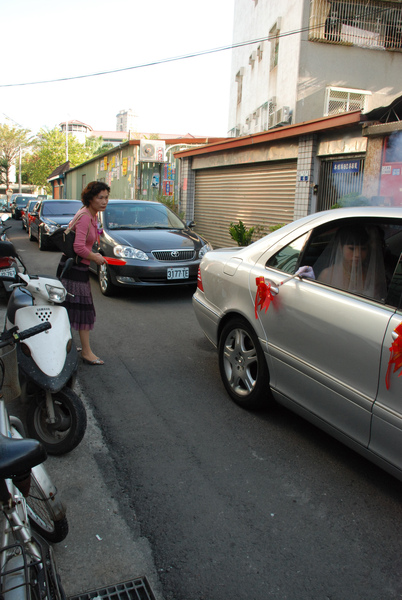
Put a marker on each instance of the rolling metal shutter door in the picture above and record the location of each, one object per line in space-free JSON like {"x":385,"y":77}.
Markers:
{"x":257,"y":194}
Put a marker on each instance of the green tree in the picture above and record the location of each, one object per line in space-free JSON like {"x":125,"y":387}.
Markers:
{"x":50,"y":153}
{"x":97,"y":146}
{"x":12,"y":140}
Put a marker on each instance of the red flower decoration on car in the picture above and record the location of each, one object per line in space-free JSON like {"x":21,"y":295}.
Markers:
{"x":263,"y":296}
{"x":395,"y":360}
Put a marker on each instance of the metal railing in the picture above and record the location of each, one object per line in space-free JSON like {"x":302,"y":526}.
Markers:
{"x":373,"y":24}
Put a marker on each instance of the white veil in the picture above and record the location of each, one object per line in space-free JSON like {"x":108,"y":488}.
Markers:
{"x":365,"y":274}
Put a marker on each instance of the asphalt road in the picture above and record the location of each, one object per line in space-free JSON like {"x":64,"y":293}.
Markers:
{"x":241,"y":505}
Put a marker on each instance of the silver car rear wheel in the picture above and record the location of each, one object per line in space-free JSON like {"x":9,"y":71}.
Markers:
{"x":242,"y":365}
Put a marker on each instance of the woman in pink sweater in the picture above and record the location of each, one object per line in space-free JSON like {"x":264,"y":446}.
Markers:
{"x":79,"y":303}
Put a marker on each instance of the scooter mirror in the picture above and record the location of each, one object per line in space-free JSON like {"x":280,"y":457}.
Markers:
{"x":67,"y":266}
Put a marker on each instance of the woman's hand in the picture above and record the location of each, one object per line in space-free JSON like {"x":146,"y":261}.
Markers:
{"x":97,"y":258}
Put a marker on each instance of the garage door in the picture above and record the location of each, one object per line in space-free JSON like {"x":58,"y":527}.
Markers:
{"x":258,"y":194}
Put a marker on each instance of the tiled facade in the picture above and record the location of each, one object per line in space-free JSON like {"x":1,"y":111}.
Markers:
{"x":187,"y":189}
{"x":305,"y":176}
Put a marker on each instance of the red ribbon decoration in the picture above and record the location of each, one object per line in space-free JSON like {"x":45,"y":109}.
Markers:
{"x":263,"y":296}
{"x":396,"y":356}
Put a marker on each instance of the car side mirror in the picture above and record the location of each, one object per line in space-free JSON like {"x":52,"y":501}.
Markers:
{"x":190,"y":224}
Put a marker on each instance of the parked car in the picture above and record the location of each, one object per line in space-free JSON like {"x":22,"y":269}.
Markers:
{"x":327,"y":344}
{"x":153,"y":244}
{"x":47,"y":215}
{"x":26,"y":214}
{"x":19,"y":203}
{"x":11,"y":199}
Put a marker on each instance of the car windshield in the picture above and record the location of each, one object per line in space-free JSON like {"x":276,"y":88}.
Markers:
{"x":58,"y":209}
{"x":141,"y":216}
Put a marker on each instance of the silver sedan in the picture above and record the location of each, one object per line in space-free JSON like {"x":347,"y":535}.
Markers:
{"x":311,"y":316}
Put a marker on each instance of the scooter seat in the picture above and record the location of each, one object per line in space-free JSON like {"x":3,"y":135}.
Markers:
{"x":18,"y":299}
{"x":7,"y":249}
{"x":18,"y":456}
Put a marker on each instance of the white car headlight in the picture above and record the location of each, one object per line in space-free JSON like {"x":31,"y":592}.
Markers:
{"x":49,"y":228}
{"x":206,"y":248}
{"x":129,"y":252}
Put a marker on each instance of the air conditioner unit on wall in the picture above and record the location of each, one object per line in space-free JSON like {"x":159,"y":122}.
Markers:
{"x":282,"y":115}
{"x":152,"y":151}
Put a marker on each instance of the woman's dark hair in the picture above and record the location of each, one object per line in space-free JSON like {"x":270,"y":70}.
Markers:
{"x":353,"y":236}
{"x":93,"y":189}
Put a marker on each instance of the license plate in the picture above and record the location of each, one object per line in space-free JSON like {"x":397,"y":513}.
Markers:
{"x":11,"y":272}
{"x":176,"y":273}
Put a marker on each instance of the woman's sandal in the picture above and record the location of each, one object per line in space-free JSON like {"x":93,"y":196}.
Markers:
{"x":97,"y":361}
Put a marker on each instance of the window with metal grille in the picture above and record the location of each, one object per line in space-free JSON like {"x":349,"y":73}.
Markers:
{"x":339,"y":100}
{"x":374,"y":24}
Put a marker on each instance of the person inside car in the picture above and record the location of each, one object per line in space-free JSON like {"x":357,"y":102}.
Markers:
{"x":356,"y":262}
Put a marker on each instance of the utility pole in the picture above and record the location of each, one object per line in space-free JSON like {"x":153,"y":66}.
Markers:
{"x":19,"y":172}
{"x":66,"y":140}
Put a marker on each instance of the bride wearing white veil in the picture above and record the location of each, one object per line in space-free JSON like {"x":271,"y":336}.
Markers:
{"x":356,"y":262}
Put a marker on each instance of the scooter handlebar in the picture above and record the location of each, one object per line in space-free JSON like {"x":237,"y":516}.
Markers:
{"x":12,"y":335}
{"x":23,"y":335}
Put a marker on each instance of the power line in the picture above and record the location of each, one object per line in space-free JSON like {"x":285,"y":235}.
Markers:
{"x":161,"y":61}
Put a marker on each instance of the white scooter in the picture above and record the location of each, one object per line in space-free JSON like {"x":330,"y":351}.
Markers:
{"x":47,"y":363}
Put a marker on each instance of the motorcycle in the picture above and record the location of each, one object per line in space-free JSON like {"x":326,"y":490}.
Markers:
{"x":48,"y":362}
{"x":8,"y":257}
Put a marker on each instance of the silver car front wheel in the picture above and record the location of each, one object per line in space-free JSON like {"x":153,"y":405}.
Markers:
{"x":242,"y":365}
{"x":106,"y":286}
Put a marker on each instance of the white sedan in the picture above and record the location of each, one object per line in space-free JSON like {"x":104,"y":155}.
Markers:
{"x":326,"y":342}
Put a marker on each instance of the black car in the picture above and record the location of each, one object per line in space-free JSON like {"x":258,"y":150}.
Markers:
{"x":146,"y":244}
{"x":47,"y":216}
{"x":19,"y":203}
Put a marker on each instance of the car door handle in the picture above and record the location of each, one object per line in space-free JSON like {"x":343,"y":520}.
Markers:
{"x":274,"y":289}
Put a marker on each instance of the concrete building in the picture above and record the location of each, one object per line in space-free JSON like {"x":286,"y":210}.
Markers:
{"x":274,"y":177}
{"x":125,"y":120}
{"x":82,"y":131}
{"x":139,"y":168}
{"x":312,"y":58}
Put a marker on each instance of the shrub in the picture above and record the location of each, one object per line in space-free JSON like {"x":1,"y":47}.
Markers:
{"x":241,"y":235}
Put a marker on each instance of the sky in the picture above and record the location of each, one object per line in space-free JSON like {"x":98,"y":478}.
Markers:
{"x":52,"y":39}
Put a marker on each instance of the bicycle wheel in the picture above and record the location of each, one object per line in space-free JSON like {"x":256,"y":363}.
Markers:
{"x":51,"y":524}
{"x":48,"y":582}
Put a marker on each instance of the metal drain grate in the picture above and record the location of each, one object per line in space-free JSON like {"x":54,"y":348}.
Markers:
{"x":137,"y":589}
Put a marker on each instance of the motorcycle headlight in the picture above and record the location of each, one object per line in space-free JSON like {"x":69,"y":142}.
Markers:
{"x":56,"y":294}
{"x":206,"y":248}
{"x":129,"y":252}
